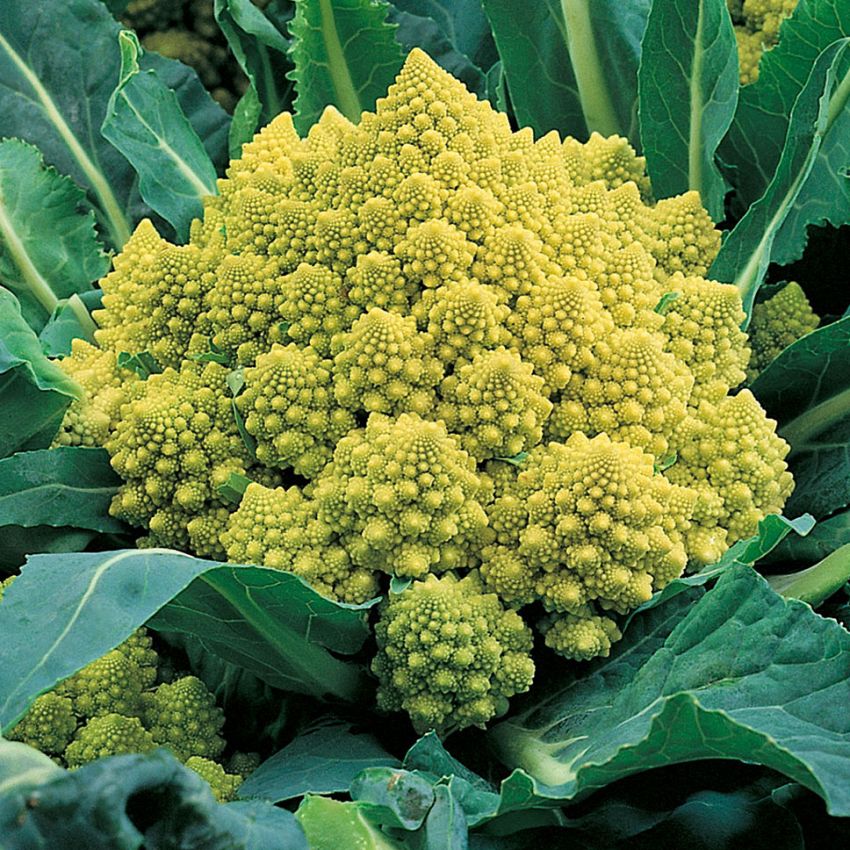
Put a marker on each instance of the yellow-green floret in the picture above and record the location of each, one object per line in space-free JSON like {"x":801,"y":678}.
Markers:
{"x":183,"y":716}
{"x":280,"y":528}
{"x":404,"y":494}
{"x":108,"y":735}
{"x":224,"y":785}
{"x":111,"y":685}
{"x":450,"y":654}
{"x":90,"y":420}
{"x":49,"y":725}
{"x":453,"y":347}
{"x":757,"y":25}
{"x":288,"y":405}
{"x":588,"y":527}
{"x":777,"y":322}
{"x":732,"y":456}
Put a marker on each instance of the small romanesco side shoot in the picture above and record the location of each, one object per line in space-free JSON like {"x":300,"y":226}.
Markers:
{"x":114,"y":706}
{"x":437,"y":349}
{"x":757,"y":25}
{"x":778,"y":321}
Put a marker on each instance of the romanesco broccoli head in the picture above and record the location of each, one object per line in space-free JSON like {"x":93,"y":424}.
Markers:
{"x":111,"y":685}
{"x":183,"y":716}
{"x":48,"y":725}
{"x":777,"y":322}
{"x":455,"y":351}
{"x":224,"y":785}
{"x":450,"y":654}
{"x":108,"y":735}
{"x":405,"y":492}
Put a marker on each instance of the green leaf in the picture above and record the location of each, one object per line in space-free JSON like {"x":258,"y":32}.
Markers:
{"x":393,"y":797}
{"x":143,"y":363}
{"x":748,"y":249}
{"x":807,"y":390}
{"x":55,"y":96}
{"x":70,"y":487}
{"x":86,"y":604}
{"x":756,"y":138}
{"x":48,"y":247}
{"x":276,"y":626}
{"x":260,"y":49}
{"x":234,"y":488}
{"x":96,"y":807}
{"x":816,"y":584}
{"x":673,"y":691}
{"x":331,"y":825}
{"x":827,"y":536}
{"x":71,"y":320}
{"x":322,"y":761}
{"x":17,"y":543}
{"x":422,"y":31}
{"x":246,"y":120}
{"x":772,"y":530}
{"x":572,"y":65}
{"x":445,"y":827}
{"x":345,"y":55}
{"x":145,"y":122}
{"x":464,"y":24}
{"x":687,"y":93}
{"x":23,"y":768}
{"x":34,"y":392}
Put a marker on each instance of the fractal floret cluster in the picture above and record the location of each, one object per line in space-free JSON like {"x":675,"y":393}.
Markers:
{"x":757,"y":25}
{"x":121,"y":703}
{"x":488,"y":365}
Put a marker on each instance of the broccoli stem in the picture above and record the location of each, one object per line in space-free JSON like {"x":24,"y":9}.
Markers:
{"x":815,"y":421}
{"x":346,"y":93}
{"x":596,"y":104}
{"x":87,"y":323}
{"x":818,"y":582}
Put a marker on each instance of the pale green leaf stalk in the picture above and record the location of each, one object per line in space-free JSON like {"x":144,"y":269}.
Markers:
{"x":345,"y":55}
{"x":593,"y":90}
{"x":687,"y":93}
{"x":817,"y":583}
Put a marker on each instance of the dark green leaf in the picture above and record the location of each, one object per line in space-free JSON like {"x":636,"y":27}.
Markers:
{"x":464,"y":24}
{"x":756,"y":138}
{"x":687,"y":93}
{"x":331,"y":825}
{"x":145,"y":122}
{"x":824,"y":538}
{"x":393,"y":797}
{"x":34,"y":392}
{"x":345,"y":55}
{"x":246,"y":120}
{"x":71,"y":320}
{"x":323,"y":761}
{"x":497,"y":90}
{"x":17,"y":543}
{"x":748,"y":249}
{"x":415,"y":30}
{"x":48,"y":247}
{"x":70,"y":486}
{"x":572,"y":74}
{"x":673,"y":691}
{"x":55,"y":96}
{"x":267,"y":621}
{"x":807,"y":389}
{"x":445,"y":827}
{"x":260,"y":49}
{"x":98,"y":807}
{"x":273,"y":624}
{"x":234,"y":488}
{"x":772,"y":530}
{"x":143,"y":363}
